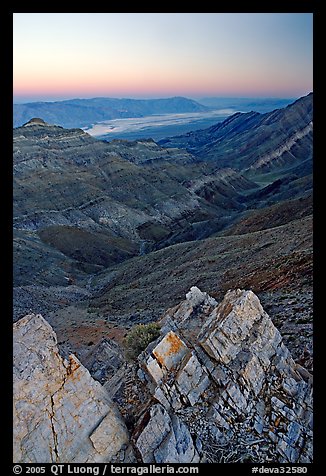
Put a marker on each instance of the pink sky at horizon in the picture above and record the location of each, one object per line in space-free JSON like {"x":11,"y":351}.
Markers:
{"x":160,"y":55}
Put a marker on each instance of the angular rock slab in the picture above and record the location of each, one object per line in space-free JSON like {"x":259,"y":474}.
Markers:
{"x":165,"y":439}
{"x":177,"y":373}
{"x":61,"y":414}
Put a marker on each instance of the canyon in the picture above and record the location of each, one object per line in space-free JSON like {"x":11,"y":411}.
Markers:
{"x":206,"y":234}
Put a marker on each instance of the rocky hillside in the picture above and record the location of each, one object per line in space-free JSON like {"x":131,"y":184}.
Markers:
{"x":257,"y":143}
{"x":275,"y":262}
{"x":108,"y":236}
{"x":217,"y":385}
{"x":85,"y":205}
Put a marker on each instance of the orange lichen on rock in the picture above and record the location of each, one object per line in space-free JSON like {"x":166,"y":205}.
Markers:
{"x":73,"y":365}
{"x":175,"y":343}
{"x":170,"y":351}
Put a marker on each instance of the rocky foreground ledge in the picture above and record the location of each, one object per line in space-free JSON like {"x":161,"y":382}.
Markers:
{"x":218,"y":385}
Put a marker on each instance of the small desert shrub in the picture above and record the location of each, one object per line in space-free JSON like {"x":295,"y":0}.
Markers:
{"x":139,"y":337}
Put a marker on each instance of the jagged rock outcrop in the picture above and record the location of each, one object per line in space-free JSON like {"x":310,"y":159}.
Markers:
{"x":104,"y":359}
{"x":218,"y":385}
{"x":231,"y":381}
{"x":166,"y":439}
{"x":60,"y":413}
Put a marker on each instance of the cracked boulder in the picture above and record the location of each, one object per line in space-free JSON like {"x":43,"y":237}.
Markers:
{"x":61,"y":414}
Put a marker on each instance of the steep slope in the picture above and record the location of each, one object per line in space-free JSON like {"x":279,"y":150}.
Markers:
{"x":270,"y":216}
{"x":253,"y":141}
{"x":214,"y":263}
{"x":98,"y":203}
{"x":84,"y":112}
{"x":36,"y":259}
{"x":275,"y":263}
{"x":72,"y":172}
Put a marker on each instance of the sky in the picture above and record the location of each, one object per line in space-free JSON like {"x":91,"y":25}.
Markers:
{"x":146,"y":55}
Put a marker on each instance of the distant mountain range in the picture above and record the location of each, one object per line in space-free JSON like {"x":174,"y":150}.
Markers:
{"x":246,"y":104}
{"x":85,"y":112}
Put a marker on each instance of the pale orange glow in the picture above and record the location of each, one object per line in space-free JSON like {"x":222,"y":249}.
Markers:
{"x":162,"y":54}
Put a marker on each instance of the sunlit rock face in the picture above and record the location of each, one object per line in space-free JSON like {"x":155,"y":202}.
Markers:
{"x":60,"y":413}
{"x":231,"y":381}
